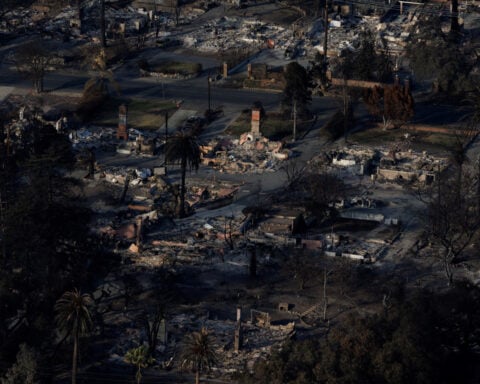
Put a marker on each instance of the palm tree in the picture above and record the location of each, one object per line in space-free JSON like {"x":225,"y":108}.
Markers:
{"x":198,"y":352}
{"x":73,"y":317}
{"x":184,"y":149}
{"x":140,"y":358}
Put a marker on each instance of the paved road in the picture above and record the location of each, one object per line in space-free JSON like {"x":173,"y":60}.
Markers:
{"x":194,"y":93}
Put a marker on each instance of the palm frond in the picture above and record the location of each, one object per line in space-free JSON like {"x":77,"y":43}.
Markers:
{"x":199,"y":351}
{"x":183,"y":147}
{"x":72,"y":313}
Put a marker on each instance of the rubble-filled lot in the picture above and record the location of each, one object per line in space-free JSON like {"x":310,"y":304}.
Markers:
{"x":205,"y":260}
{"x":248,"y":154}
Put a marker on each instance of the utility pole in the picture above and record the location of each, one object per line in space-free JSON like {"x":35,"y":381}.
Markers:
{"x":166,"y":126}
{"x":345,"y":109}
{"x":478,"y":184}
{"x":3,"y":206}
{"x":7,"y":144}
{"x":166,"y":137}
{"x":325,"y":37}
{"x":4,"y":151}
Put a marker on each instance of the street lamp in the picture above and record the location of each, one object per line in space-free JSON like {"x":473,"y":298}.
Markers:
{"x":163,"y":87}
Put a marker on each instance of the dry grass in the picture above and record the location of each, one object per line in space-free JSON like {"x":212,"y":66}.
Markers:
{"x":422,"y":140}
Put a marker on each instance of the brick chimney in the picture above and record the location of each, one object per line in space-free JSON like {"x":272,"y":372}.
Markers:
{"x":122,"y":131}
{"x":255,"y":121}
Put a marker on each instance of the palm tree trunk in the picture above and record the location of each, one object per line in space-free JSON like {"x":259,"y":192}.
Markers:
{"x":325,"y":37}
{"x":74,"y":359}
{"x":80,"y":14}
{"x":454,"y":26}
{"x":325,"y":299}
{"x":448,"y":272}
{"x":182,"y":187}
{"x":138,"y":375}
{"x":103,"y":39}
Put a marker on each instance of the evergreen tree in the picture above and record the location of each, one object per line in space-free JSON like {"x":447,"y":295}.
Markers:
{"x":297,"y":88}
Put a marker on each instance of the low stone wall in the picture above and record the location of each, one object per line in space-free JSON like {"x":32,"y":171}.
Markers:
{"x":445,"y":129}
{"x":395,"y":174}
{"x":162,"y":75}
{"x":356,"y":83}
{"x":362,"y":215}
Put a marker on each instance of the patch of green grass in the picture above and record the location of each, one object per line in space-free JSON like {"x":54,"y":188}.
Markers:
{"x":273,"y":126}
{"x":142,"y":113}
{"x":240,"y":125}
{"x":440,"y":140}
{"x":376,"y":136}
{"x":172,"y":67}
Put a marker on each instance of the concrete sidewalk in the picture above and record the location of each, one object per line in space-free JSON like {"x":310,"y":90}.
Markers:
{"x":177,"y":119}
{"x":5,"y":91}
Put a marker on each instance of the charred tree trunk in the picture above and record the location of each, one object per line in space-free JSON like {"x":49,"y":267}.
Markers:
{"x":228,"y":233}
{"x":253,"y":262}
{"x":125,"y":189}
{"x":75,"y":357}
{"x":91,"y":164}
{"x":448,"y":271}
{"x":182,"y":187}
{"x":294,"y":120}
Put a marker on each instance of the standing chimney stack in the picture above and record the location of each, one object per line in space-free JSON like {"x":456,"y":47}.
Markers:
{"x":238,"y":331}
{"x":122,"y":131}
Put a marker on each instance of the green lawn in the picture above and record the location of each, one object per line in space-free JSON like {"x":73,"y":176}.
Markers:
{"x":440,"y":140}
{"x":142,"y":113}
{"x":373,"y":136}
{"x":172,"y":67}
{"x":273,"y":126}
